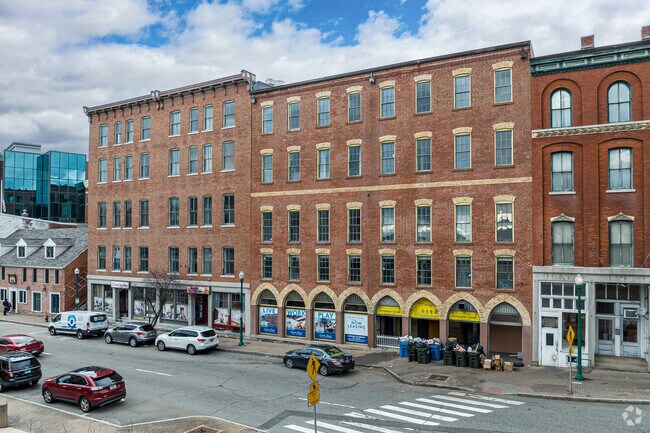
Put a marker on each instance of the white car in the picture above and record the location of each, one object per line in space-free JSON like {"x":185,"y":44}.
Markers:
{"x":191,"y":339}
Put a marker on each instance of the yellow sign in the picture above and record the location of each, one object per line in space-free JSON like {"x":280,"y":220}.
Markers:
{"x":464,"y":316}
{"x":312,"y":367}
{"x":570,"y":335}
{"x":313,"y":398}
{"x":314,"y":386}
{"x":571,"y":350}
{"x":424,"y":309}
{"x":389,"y":310}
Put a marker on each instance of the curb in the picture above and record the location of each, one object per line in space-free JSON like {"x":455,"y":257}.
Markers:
{"x":582,"y":399}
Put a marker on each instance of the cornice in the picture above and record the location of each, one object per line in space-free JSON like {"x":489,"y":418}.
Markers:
{"x":592,"y":129}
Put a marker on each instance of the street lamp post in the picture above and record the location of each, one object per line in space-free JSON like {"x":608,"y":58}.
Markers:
{"x":579,"y":282}
{"x":241,"y":308}
{"x":76,"y":289}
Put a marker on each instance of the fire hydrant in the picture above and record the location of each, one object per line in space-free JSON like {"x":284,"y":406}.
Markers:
{"x":47,"y":318}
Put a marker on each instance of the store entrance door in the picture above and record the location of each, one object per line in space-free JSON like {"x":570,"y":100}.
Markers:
{"x":550,"y":341}
{"x":201,"y":312}
{"x":605,"y":344}
{"x":629,"y":330}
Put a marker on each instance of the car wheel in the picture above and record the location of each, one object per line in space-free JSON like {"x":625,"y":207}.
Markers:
{"x":80,"y":335}
{"x":108,"y":338}
{"x":133,"y":342}
{"x":52,"y":331}
{"x":47,"y":396}
{"x":33,"y":382}
{"x":84,"y":404}
{"x":3,"y":387}
{"x":191,"y":349}
{"x":288,"y":362}
{"x":160,"y":345}
{"x":323,"y":370}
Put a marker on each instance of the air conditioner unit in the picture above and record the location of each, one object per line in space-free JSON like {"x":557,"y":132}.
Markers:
{"x":630,"y":313}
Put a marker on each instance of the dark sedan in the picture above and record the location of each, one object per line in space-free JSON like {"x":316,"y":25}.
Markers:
{"x":332,"y":359}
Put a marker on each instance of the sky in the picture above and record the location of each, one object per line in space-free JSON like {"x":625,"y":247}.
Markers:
{"x":61,"y":55}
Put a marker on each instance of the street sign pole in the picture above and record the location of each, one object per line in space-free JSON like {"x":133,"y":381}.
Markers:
{"x":313,"y":398}
{"x":315,"y":423}
{"x":570,"y":376}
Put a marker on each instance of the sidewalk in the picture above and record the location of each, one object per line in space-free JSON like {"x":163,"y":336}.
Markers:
{"x":530,"y":381}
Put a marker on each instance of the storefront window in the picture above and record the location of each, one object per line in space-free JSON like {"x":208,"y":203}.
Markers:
{"x":175,"y":306}
{"x":227,"y":311}
{"x":268,"y":313}
{"x":572,"y":320}
{"x":295,"y":316}
{"x":103,"y":298}
{"x":355,"y":318}
{"x":562,"y":296}
{"x":144,"y":301}
{"x":324,"y":318}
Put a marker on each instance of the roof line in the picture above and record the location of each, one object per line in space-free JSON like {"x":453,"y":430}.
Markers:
{"x":588,"y":51}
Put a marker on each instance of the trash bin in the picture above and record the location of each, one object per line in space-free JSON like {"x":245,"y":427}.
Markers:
{"x":403,"y":349}
{"x":411,"y":352}
{"x":436,"y":354}
{"x":461,"y":359}
{"x":449,"y":357}
{"x":424,"y":355}
{"x":474,"y":359}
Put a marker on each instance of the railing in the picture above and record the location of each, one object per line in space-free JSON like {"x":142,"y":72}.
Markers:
{"x":387,"y":341}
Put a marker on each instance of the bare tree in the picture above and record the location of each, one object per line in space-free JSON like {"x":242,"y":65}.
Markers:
{"x":164,"y":286}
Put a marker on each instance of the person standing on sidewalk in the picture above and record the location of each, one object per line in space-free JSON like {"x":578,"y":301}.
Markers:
{"x":5,"y":304}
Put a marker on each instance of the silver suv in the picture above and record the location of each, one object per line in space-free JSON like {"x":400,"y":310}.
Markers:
{"x":191,"y":338}
{"x":131,"y":333}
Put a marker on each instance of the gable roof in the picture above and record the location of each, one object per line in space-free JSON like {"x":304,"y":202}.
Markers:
{"x":70,"y":243}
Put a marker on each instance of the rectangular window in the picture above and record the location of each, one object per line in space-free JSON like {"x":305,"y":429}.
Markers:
{"x":145,"y":128}
{"x":144,"y":259}
{"x":194,"y":120}
{"x":423,"y":97}
{"x":207,"y":158}
{"x":193,"y":160}
{"x":118,"y":133}
{"x":128,"y":167}
{"x":294,"y":267}
{"x":423,"y":157}
{"x":101,"y":258}
{"x":174,"y":162}
{"x":503,"y":86}
{"x":388,"y":157}
{"x":24,"y":274}
{"x":229,"y":114}
{"x":267,"y":120}
{"x":294,"y":226}
{"x":56,"y":276}
{"x":354,"y":160}
{"x":324,"y":164}
{"x":387,"y":102}
{"x":354,"y":269}
{"x":227,"y":261}
{"x":207,"y":118}
{"x":562,"y":171}
{"x":117,"y":258}
{"x":267,"y":266}
{"x":463,"y":271}
{"x":462,"y":152}
{"x":228,"y":217}
{"x":174,"y":266}
{"x":103,"y":135}
{"x":128,"y":214}
{"x":620,"y":168}
{"x":144,"y":166}
{"x":34,"y":270}
{"x":423,"y":223}
{"x":354,"y":225}
{"x":144,"y":213}
{"x":192,"y":211}
{"x":505,"y":270}
{"x":463,"y":223}
{"x":117,"y":169}
{"x":621,"y":251}
{"x":424,"y":270}
{"x":101,"y":215}
{"x":267,"y":168}
{"x":323,"y":268}
{"x":323,"y":111}
{"x":129,"y":131}
{"x":174,"y":212}
{"x":206,"y":257}
{"x":503,"y":149}
{"x":102,"y":173}
{"x":562,"y":242}
{"x":46,"y":275}
{"x":228,"y":162}
{"x":49,"y":253}
{"x":388,"y":224}
{"x":207,"y":210}
{"x":354,"y":107}
{"x":323,"y":225}
{"x":267,"y":226}
{"x":294,"y":166}
{"x":388,"y":269}
{"x":36,"y":301}
{"x":461,"y":90}
{"x":127,"y":258}
{"x":294,"y":116}
{"x":504,"y":222}
{"x":175,"y":123}
{"x":117,"y":214}
{"x":192,"y":260}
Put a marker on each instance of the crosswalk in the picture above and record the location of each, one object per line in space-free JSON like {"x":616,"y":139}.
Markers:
{"x":434,"y":410}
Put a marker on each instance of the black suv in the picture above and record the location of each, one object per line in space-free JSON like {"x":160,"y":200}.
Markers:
{"x":18,"y":368}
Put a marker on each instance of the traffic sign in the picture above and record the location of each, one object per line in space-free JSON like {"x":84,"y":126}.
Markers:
{"x":570,"y":335}
{"x":313,"y":386}
{"x":313,"y":398}
{"x":312,"y":367}
{"x":571,"y":350}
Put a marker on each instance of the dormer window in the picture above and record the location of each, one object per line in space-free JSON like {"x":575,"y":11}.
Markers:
{"x":21,"y":252}
{"x":49,"y":252}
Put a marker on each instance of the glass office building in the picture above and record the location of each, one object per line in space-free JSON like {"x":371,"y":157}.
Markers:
{"x":48,"y":185}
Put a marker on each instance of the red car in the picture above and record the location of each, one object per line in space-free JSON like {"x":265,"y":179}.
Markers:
{"x":89,"y":387}
{"x":21,"y":342}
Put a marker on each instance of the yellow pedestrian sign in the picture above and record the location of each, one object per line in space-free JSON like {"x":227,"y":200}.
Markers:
{"x":312,"y":367}
{"x":571,"y":350}
{"x":570,"y":335}
{"x":313,"y":398}
{"x":314,"y":386}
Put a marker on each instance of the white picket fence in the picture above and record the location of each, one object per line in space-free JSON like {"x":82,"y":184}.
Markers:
{"x":387,"y":341}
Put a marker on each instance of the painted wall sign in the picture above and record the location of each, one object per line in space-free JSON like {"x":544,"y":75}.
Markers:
{"x":269,"y":320}
{"x":325,"y":325}
{"x":198,"y":290}
{"x":424,"y":309}
{"x":119,"y":284}
{"x":356,"y":328}
{"x":295,"y":323}
{"x":389,"y":310}
{"x":464,"y":316}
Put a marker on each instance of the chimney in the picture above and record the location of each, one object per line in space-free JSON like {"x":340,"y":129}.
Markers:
{"x":645,"y":33}
{"x":587,"y":42}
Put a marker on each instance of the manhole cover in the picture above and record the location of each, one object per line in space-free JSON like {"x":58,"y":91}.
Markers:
{"x":438,"y":377}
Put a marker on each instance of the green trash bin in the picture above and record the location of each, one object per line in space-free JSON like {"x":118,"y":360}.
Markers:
{"x":461,"y":359}
{"x":474,"y":359}
{"x":449,"y":357}
{"x":424,"y":355}
{"x":412,"y":355}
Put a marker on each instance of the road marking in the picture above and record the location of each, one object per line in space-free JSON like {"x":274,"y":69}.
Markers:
{"x":301,"y":429}
{"x":38,"y":332}
{"x":427,"y":415}
{"x":437,"y":409}
{"x":464,"y":400}
{"x":333,"y":427}
{"x":484,"y":397}
{"x":456,"y":406}
{"x":370,"y":427}
{"x":46,"y":353}
{"x":154,"y":372}
{"x":331,"y":404}
{"x":401,"y":417}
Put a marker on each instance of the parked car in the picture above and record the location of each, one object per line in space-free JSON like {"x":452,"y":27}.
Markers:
{"x":131,"y":333}
{"x":22,"y":343}
{"x":81,"y":323}
{"x":18,"y":368}
{"x":191,"y":338}
{"x":89,"y":387}
{"x":332,"y":359}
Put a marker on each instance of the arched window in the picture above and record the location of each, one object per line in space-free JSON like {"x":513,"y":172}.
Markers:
{"x":561,"y":109}
{"x":619,"y":102}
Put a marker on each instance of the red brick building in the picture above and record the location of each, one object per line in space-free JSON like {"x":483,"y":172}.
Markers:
{"x":591,"y":156}
{"x":396,"y":200}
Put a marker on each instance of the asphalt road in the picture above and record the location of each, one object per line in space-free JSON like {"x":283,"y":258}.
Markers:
{"x":260,"y":392}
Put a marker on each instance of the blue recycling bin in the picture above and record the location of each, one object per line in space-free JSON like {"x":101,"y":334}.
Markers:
{"x":436,"y":352}
{"x":404,"y":349}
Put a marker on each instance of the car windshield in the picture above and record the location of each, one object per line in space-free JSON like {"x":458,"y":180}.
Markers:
{"x":334,"y":352}
{"x":22,"y":340}
{"x":98,"y":318}
{"x":209,"y":333}
{"x":111,"y":379}
{"x":146,"y":328}
{"x":24,"y":363}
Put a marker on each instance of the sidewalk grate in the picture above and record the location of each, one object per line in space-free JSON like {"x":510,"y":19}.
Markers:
{"x":438,"y":377}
